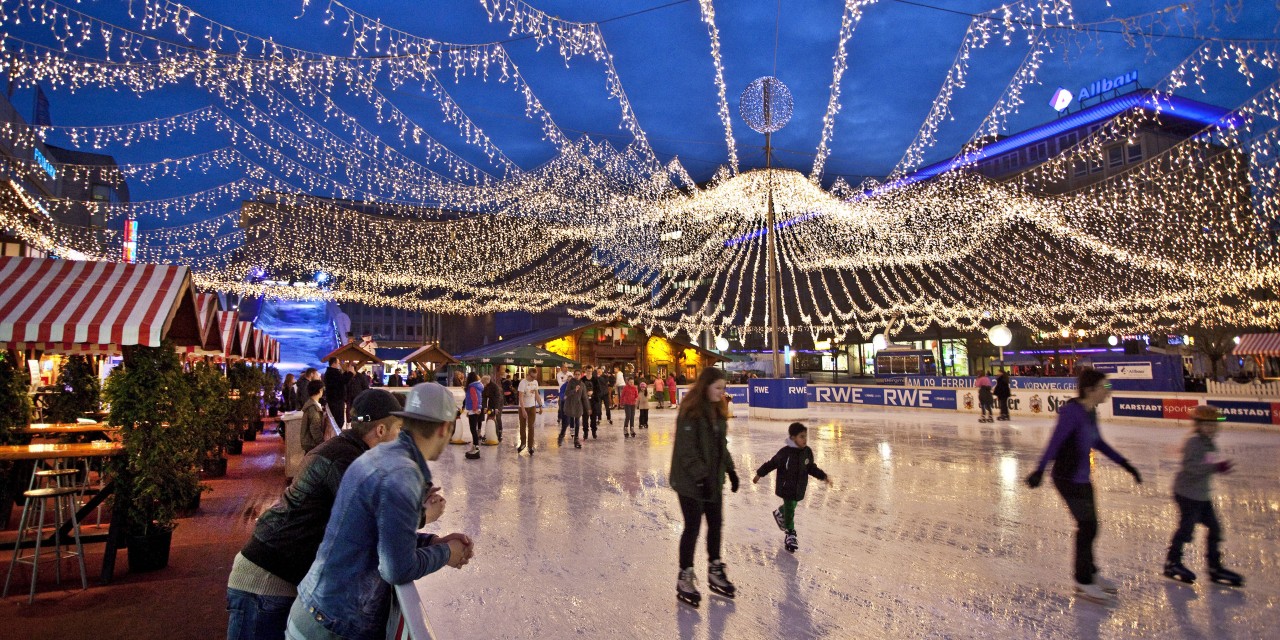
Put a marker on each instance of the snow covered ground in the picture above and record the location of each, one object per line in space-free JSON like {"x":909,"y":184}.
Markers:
{"x":927,"y":532}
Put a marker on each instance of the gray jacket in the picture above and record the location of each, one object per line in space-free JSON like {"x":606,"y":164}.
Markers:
{"x":1192,"y":480}
{"x":575,"y":398}
{"x":312,"y":425}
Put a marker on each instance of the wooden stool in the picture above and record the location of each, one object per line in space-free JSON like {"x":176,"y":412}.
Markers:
{"x":61,"y":496}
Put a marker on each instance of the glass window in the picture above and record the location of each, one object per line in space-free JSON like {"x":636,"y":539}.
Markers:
{"x":1079,"y":168}
{"x":1115,"y":156}
{"x":1067,"y":141}
{"x":1135,"y":152}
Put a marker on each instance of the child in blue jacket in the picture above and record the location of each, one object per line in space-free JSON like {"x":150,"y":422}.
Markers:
{"x":794,"y":463}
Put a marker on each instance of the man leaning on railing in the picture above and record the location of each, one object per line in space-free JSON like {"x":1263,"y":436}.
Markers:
{"x":371,"y":541}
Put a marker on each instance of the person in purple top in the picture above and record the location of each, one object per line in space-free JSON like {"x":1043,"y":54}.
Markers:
{"x":1074,"y":437}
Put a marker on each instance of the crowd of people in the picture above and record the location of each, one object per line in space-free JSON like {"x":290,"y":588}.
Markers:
{"x":322,"y":562}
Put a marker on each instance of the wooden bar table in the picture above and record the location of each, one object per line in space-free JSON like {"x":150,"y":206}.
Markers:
{"x":115,"y":532}
{"x":67,"y":428}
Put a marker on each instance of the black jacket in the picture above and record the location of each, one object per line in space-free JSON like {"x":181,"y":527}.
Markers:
{"x":289,"y":397}
{"x":794,"y":465}
{"x":491,"y":397}
{"x":335,"y":386}
{"x":301,"y":396}
{"x":288,"y":535}
{"x":600,"y":389}
{"x":1002,"y":387}
{"x":357,"y":384}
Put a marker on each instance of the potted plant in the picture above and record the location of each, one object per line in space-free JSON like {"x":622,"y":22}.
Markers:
{"x":78,"y":390}
{"x":151,"y":404}
{"x":15,"y":413}
{"x":271,"y":390}
{"x":245,"y":387}
{"x":211,"y":412}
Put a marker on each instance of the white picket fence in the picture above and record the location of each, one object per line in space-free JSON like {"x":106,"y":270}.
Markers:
{"x":1270,"y":389}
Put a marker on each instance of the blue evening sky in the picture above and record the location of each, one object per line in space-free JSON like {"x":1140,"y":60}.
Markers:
{"x":898,"y":57}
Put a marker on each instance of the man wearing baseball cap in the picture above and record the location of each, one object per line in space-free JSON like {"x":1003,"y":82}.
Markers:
{"x":371,"y":542}
{"x":265,"y":574}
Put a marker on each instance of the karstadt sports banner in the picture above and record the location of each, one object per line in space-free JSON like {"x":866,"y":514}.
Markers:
{"x":1166,"y":408}
{"x":1247,"y":411}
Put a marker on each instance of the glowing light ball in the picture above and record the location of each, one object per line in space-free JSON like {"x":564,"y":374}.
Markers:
{"x":879,"y":342}
{"x":1000,"y":335}
{"x":766,"y":105}
{"x":722,"y":344}
{"x":1113,"y":341}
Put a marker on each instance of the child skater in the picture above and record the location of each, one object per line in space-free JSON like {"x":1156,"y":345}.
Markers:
{"x":1192,"y":493}
{"x":794,"y":463}
{"x":642,"y":404}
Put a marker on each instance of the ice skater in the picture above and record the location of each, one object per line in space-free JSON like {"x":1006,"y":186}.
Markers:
{"x":642,"y":404}
{"x":700,"y":462}
{"x":627,"y":396}
{"x":794,"y":464}
{"x":1195,"y":506}
{"x":986,"y":399}
{"x":474,"y":405}
{"x":1003,"y":391}
{"x":1074,"y":437}
{"x":572,"y":401}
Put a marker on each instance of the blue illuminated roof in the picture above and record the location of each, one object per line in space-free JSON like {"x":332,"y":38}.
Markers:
{"x":1168,"y":106}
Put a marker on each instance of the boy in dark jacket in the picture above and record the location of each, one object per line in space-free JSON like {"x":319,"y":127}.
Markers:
{"x":794,"y":463}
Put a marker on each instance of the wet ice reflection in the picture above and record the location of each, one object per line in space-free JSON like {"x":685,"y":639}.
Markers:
{"x":928,"y":531}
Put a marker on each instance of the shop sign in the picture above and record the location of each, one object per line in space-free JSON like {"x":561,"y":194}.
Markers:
{"x":1104,"y":85}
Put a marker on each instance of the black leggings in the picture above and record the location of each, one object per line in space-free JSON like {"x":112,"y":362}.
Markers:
{"x":693,"y":511}
{"x":1079,"y":498}
{"x":477,"y":425}
{"x":1193,"y":512}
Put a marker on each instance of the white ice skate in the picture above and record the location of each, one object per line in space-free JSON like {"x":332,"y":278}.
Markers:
{"x":1106,"y":585}
{"x":1094,"y":593}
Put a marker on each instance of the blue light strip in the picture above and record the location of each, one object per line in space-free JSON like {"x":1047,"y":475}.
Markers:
{"x":1182,"y":108}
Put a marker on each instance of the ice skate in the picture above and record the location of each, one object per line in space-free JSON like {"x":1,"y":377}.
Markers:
{"x":1178,"y":571}
{"x":519,"y":448}
{"x":717,"y":581}
{"x":687,"y":588}
{"x":633,"y":432}
{"x":1106,"y":585}
{"x":530,"y":451}
{"x":777,"y":517}
{"x":473,"y":454}
{"x":576,"y":443}
{"x":1224,"y":576}
{"x":1094,"y":593}
{"x":790,"y":541}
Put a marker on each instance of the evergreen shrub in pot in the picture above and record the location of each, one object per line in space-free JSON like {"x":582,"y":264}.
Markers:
{"x":15,"y":414}
{"x":271,"y":381}
{"x":246,"y":385}
{"x":211,"y":411}
{"x":78,"y":390}
{"x":150,"y":400}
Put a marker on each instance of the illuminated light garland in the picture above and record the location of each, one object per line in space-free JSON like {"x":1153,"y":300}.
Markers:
{"x":848,"y":22}
{"x":708,"y":12}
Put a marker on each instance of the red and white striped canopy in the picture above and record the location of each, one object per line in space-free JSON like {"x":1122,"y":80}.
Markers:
{"x":207,"y":314}
{"x":228,"y":325}
{"x":248,"y":347}
{"x":1258,"y":344}
{"x":73,"y":306}
{"x":260,"y":345}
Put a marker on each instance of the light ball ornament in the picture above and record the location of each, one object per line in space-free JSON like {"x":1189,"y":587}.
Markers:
{"x":766,"y":105}
{"x":879,"y":342}
{"x":1000,"y":335}
{"x":722,"y":344}
{"x":1113,"y":341}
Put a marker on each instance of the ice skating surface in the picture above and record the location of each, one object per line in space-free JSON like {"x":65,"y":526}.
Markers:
{"x":928,"y":531}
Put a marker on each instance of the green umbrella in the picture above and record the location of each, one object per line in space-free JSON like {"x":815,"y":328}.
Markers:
{"x":527,"y":355}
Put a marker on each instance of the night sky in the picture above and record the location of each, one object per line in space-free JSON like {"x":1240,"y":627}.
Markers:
{"x":898,"y":57}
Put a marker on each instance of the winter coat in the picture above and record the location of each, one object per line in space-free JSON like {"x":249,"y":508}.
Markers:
{"x":473,"y":400}
{"x":794,"y":465}
{"x":574,"y":398}
{"x":313,"y":427}
{"x":628,"y":394}
{"x":671,"y":389}
{"x":493,"y":400}
{"x":642,"y":397}
{"x":287,"y":535}
{"x":700,"y":458}
{"x":357,"y":385}
{"x":1002,"y":386}
{"x":335,"y":386}
{"x":1192,"y":480}
{"x":289,"y":397}
{"x":601,"y":388}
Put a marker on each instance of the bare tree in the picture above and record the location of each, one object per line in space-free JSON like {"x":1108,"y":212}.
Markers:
{"x":1215,"y":343}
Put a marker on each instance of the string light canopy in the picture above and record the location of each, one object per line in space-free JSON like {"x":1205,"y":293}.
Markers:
{"x":1183,"y":234}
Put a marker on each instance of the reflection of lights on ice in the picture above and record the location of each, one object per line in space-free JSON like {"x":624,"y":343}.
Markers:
{"x":1009,"y":471}
{"x":885,"y":452}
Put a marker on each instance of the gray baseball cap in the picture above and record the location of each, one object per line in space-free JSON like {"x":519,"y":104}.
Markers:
{"x":429,"y":402}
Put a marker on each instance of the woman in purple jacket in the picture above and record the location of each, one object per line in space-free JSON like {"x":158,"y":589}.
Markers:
{"x":1075,"y":435}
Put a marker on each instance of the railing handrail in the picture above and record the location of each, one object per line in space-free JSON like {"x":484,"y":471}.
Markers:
{"x":408,"y":615}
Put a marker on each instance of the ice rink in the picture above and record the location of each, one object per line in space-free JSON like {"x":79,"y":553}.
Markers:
{"x":928,"y":531}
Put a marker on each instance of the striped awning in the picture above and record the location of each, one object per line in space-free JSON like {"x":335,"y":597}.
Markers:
{"x":1258,"y":344}
{"x":70,"y":306}
{"x":210,"y":331}
{"x":260,"y":345}
{"x":228,"y":326}
{"x":248,"y":348}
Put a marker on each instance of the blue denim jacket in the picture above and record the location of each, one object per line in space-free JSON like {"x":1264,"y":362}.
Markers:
{"x":371,"y":541}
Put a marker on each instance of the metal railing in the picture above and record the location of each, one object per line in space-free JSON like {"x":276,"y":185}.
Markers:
{"x":408,"y":619}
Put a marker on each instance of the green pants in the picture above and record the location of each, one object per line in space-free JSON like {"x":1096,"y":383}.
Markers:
{"x":789,"y":514}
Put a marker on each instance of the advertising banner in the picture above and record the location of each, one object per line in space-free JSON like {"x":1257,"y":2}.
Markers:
{"x":1166,"y":408}
{"x":1246,"y":411}
{"x":777,"y":393}
{"x":1125,"y":370}
{"x":889,"y":397}
{"x":1015,"y":383}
